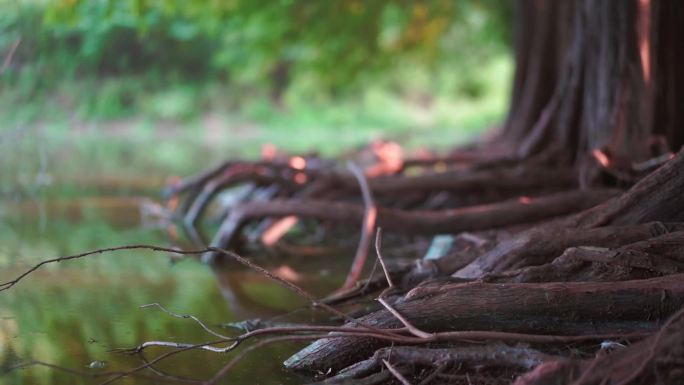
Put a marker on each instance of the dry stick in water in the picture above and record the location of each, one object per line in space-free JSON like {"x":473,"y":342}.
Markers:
{"x":170,"y":377}
{"x":88,"y":374}
{"x":190,"y":316}
{"x":369,"y":218}
{"x":9,"y":284}
{"x":117,"y":376}
{"x":221,"y":373}
{"x":244,"y":261}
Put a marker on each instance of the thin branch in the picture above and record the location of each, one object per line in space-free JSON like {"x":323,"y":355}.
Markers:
{"x":81,"y":372}
{"x":433,"y":375}
{"x":340,"y":331}
{"x":9,"y":284}
{"x":378,"y":244}
{"x":117,"y":376}
{"x":369,"y":219}
{"x":301,"y":292}
{"x":221,"y":373}
{"x":171,"y":377}
{"x":244,"y":261}
{"x":186,"y":316}
{"x":396,"y":373}
{"x":179,"y":345}
{"x":414,"y":330}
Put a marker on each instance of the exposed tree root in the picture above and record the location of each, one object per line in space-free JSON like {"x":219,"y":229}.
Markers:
{"x":487,"y":356}
{"x":416,"y":222}
{"x":546,"y":308}
{"x":657,"y":197}
{"x":542,"y":244}
{"x":653,"y":257}
{"x":655,"y":360}
{"x":579,"y":265}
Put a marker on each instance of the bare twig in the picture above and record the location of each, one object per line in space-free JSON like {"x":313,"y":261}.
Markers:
{"x":119,"y":375}
{"x":414,"y":330}
{"x":369,"y":218}
{"x":9,"y":284}
{"x":190,"y":316}
{"x":433,"y":375}
{"x":180,"y":345}
{"x":221,"y":373}
{"x":170,"y":377}
{"x":378,"y":244}
{"x":83,"y":373}
{"x":396,"y":373}
{"x":244,"y":261}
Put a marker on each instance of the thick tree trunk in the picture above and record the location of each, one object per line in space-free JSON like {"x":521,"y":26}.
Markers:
{"x":542,"y":33}
{"x":616,"y":86}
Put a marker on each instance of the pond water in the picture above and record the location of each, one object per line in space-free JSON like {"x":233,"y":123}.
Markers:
{"x":72,"y":313}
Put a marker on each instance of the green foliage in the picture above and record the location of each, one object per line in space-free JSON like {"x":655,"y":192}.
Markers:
{"x":103,"y":58}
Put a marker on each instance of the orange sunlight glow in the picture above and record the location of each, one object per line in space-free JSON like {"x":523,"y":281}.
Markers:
{"x":643,"y":29}
{"x":601,"y":157}
{"x":268,"y":151}
{"x":278,"y":229}
{"x":390,"y":158}
{"x":372,"y":216}
{"x":297,"y":162}
{"x":300,"y":178}
{"x":287,"y":273}
{"x":172,"y":203}
{"x":172,"y":233}
{"x":440,"y":167}
{"x":524,"y":200}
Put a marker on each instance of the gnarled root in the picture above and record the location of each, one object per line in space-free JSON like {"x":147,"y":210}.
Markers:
{"x":584,"y":308}
{"x":655,"y":360}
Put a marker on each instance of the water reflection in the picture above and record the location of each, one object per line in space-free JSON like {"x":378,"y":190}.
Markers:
{"x":71,"y":314}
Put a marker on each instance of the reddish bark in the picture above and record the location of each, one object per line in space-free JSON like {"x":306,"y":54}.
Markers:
{"x":545,"y":308}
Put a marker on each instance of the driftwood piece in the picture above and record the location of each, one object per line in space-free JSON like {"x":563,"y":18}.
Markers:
{"x":540,"y":308}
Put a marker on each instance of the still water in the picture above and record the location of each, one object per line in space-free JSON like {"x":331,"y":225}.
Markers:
{"x":72,"y":313}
